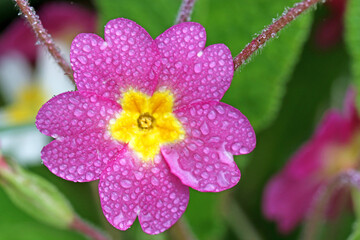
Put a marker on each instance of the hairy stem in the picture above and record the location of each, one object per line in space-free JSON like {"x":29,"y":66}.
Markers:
{"x":185,"y":11}
{"x":321,"y":200}
{"x":43,"y":36}
{"x":271,"y":31}
{"x":85,"y":228}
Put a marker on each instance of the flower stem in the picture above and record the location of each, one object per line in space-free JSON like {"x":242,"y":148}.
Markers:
{"x":43,"y":36}
{"x":237,"y":220}
{"x":271,"y":31}
{"x":185,"y":11}
{"x":181,"y":230}
{"x":85,"y":228}
{"x":322,"y":198}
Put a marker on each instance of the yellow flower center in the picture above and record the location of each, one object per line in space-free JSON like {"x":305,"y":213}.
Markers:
{"x":147,"y":122}
{"x":343,"y":157}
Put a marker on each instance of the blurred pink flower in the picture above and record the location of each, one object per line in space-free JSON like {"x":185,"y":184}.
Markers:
{"x":334,"y":148}
{"x":330,"y":31}
{"x":146,"y":120}
{"x":62,"y":20}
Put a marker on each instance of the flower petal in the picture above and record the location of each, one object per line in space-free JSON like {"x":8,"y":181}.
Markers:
{"x":125,"y":59}
{"x":190,"y":71}
{"x":72,"y":113}
{"x":312,"y":158}
{"x":166,"y":199}
{"x":287,"y":200}
{"x":203,"y":160}
{"x":80,"y":158}
{"x":119,"y":190}
{"x":217,"y":124}
{"x":202,"y":168}
{"x":129,"y":187}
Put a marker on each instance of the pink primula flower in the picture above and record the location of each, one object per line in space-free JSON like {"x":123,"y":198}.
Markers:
{"x":334,"y":148}
{"x":146,"y":120}
{"x":62,"y":20}
{"x":330,"y":31}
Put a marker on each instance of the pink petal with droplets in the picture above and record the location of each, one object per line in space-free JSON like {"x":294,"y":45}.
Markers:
{"x":71,"y":113}
{"x":190,"y":71}
{"x":125,"y":59}
{"x":80,"y":158}
{"x":214,"y":131}
{"x":217,"y":123}
{"x":202,"y":168}
{"x":129,"y":187}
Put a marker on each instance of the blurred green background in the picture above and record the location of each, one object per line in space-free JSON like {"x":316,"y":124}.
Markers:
{"x":284,"y":90}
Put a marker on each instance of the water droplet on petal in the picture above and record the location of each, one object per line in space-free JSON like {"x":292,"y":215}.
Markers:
{"x":235,"y":147}
{"x":78,"y":112}
{"x":125,"y":183}
{"x":197,"y":68}
{"x":244,"y":150}
{"x":204,"y":128}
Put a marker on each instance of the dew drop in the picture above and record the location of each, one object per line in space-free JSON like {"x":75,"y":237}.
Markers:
{"x":114,"y":196}
{"x":82,"y":59}
{"x":78,"y":113}
{"x":244,"y":150}
{"x":197,"y":68}
{"x":235,"y":147}
{"x":86,"y":48}
{"x":204,"y":128}
{"x":89,"y":176}
{"x":126,"y":183}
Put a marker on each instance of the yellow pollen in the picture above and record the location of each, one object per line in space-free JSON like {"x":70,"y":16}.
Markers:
{"x":146,"y":123}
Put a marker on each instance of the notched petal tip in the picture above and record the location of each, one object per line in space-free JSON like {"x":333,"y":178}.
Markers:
{"x":218,"y":171}
{"x":148,"y":190}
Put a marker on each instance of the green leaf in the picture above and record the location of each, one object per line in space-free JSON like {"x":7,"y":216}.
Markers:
{"x":352,"y":36}
{"x":204,"y":215}
{"x":34,"y":231}
{"x":258,"y":87}
{"x":355,"y":235}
